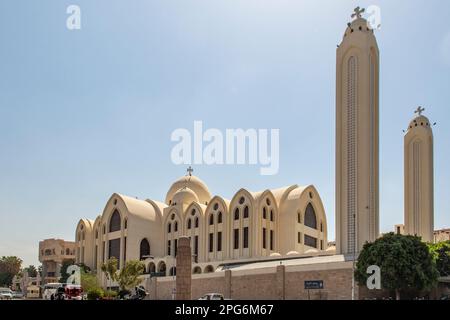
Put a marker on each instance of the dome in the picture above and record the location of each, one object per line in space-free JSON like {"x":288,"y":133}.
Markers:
{"x":312,"y":251}
{"x":275,"y":254}
{"x":184,"y":196}
{"x":291,"y":253}
{"x":419,"y":121}
{"x":332,"y":248}
{"x":194,"y":184}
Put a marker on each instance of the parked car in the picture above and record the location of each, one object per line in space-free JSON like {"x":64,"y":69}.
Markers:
{"x":17,"y":295}
{"x":6,"y":294}
{"x":69,"y":292}
{"x":213,"y":296}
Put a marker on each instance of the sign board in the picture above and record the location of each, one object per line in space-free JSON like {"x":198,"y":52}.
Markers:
{"x":314,"y":284}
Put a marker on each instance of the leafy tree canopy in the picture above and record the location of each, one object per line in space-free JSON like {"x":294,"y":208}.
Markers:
{"x":441,"y":255}
{"x":405,"y":263}
{"x":9,"y":267}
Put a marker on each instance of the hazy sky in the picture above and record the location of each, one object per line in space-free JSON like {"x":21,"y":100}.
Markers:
{"x":89,"y":112}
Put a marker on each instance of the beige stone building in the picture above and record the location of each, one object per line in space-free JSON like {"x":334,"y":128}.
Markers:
{"x":441,"y":235}
{"x":52,"y":253}
{"x":419,"y":185}
{"x":251,"y":225}
{"x":266,"y":244}
{"x":357,"y":135}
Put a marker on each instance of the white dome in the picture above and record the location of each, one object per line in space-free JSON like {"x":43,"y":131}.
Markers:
{"x":311,"y":251}
{"x":275,"y":254}
{"x":291,"y":253}
{"x":184,"y":196}
{"x":194,"y":184}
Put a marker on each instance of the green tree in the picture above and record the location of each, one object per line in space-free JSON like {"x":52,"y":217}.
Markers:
{"x":441,"y":256}
{"x":405,"y":262}
{"x":31,"y":270}
{"x":110,"y":269}
{"x":65,"y":264}
{"x":88,"y":281}
{"x":9,"y":267}
{"x":129,"y":276}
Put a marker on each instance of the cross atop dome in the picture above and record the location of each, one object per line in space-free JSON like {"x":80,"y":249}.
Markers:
{"x":357,"y":12}
{"x":189,"y":171}
{"x":419,"y":110}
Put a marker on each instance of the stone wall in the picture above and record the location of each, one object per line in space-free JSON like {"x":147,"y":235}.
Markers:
{"x":262,"y":284}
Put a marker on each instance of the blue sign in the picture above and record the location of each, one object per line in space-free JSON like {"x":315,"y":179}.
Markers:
{"x":314,"y":284}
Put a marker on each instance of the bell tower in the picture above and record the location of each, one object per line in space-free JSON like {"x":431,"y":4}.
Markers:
{"x":418,"y":166}
{"x":357,"y":101}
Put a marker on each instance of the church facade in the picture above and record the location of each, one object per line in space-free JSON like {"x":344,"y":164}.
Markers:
{"x":251,"y":225}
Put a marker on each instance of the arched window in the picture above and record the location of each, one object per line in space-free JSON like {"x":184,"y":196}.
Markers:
{"x":162,"y":267}
{"x":144,"y":249}
{"x":169,"y":227}
{"x":246,"y":212}
{"x":209,"y":269}
{"x":114,"y":223}
{"x":104,"y":229}
{"x":219,"y":217}
{"x":196,"y":222}
{"x":96,"y":234}
{"x":271,"y":215}
{"x":310,"y":217}
{"x":189,"y":224}
{"x":67,"y":252}
{"x":236,"y":214}
{"x":151,"y":267}
{"x":211,"y":219}
{"x":264,"y":213}
{"x":125,"y":224}
{"x":197,"y":270}
{"x":176,"y":226}
{"x":173,"y":271}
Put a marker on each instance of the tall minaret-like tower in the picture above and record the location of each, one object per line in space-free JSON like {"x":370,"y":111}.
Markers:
{"x":357,"y":76}
{"x":419,"y":205}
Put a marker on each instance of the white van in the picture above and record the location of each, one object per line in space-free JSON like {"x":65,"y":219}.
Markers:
{"x":50,"y":290}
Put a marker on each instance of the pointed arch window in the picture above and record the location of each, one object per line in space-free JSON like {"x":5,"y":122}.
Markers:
{"x":264,"y":213}
{"x":219,"y":217}
{"x":175,"y":229}
{"x":310,"y":217}
{"x":144,"y":249}
{"x":114,"y":223}
{"x":169,"y":228}
{"x":236,"y":214}
{"x":189,"y":224}
{"x":196,"y":222}
{"x":246,"y":212}
{"x":211,"y":219}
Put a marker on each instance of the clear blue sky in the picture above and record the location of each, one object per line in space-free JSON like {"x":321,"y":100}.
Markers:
{"x":87,"y":113}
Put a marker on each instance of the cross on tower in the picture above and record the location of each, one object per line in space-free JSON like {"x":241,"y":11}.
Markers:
{"x":358,"y":11}
{"x":419,"y":110}
{"x":189,"y":171}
